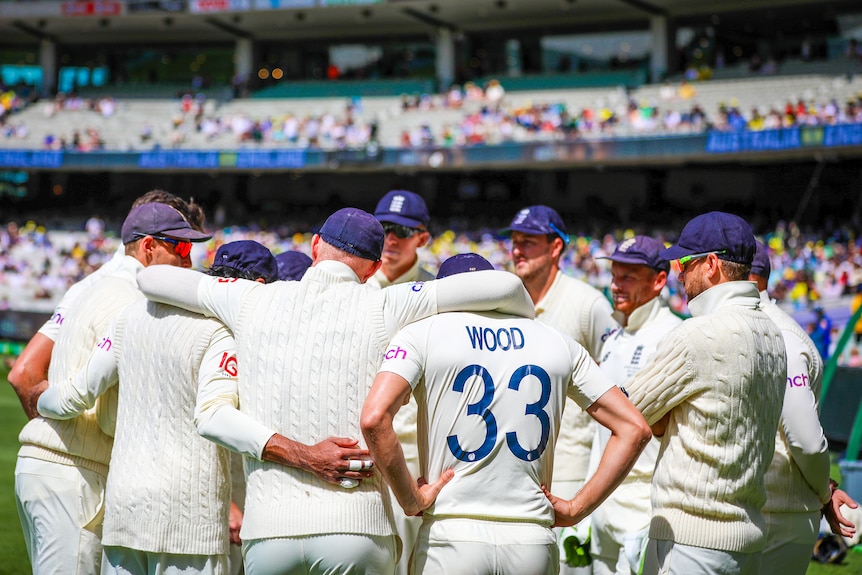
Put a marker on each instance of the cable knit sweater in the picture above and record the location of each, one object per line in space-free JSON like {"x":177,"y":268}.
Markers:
{"x":309,"y":351}
{"x":82,"y":440}
{"x":798,"y":477}
{"x":168,"y":490}
{"x":581,"y":312}
{"x":721,"y":375}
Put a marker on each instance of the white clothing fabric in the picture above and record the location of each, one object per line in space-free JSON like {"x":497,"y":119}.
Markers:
{"x":342,"y":553}
{"x":720,"y":375}
{"x":51,"y":328}
{"x":404,"y":423}
{"x":581,"y":312}
{"x":669,"y":558}
{"x":124,"y":561}
{"x":309,"y":351}
{"x":476,"y":547}
{"x":157,"y":447}
{"x":790,"y":539}
{"x":490,"y":402}
{"x":626,"y":513}
{"x":84,"y":441}
{"x":798,"y":477}
{"x":62,"y":532}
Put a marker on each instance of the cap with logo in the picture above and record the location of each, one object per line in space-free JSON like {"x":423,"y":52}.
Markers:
{"x":761,"y":266}
{"x":538,"y":220}
{"x":292,"y":265}
{"x":642,"y":250}
{"x":354,"y":231}
{"x":157,"y":219}
{"x":403,"y":208}
{"x":728,"y":235}
{"x":249,"y":257}
{"x":462,"y":263}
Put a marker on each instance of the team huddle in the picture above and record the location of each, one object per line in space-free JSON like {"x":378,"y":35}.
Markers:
{"x":352,"y":413}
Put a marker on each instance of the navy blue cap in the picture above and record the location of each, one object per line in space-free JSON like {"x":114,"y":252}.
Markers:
{"x":403,"y":208}
{"x":254,"y":260}
{"x":461,"y":263}
{"x":538,"y":220}
{"x":761,"y":265}
{"x":642,"y":250}
{"x":715,"y":232}
{"x":292,"y":265}
{"x":157,"y":219}
{"x":355,"y":232}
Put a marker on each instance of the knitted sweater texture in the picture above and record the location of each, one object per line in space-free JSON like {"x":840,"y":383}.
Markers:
{"x":721,"y":376}
{"x":168,"y":490}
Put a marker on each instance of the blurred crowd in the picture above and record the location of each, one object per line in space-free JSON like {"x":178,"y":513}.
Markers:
{"x":487,"y":116}
{"x":810,"y":271}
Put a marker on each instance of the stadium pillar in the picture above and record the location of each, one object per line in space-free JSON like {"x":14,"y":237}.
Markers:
{"x":48,"y":63}
{"x":445,"y":63}
{"x":244,"y":64}
{"x":661,"y":33}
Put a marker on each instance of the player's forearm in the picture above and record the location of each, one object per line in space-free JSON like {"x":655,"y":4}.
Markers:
{"x":227,"y":426}
{"x":389,"y":459}
{"x":29,"y":371}
{"x":172,"y":285}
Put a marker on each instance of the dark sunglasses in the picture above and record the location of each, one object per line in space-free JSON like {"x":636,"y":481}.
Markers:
{"x":401,"y":232}
{"x":182,"y":247}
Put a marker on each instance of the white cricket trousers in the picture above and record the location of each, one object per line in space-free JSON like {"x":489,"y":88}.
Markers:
{"x":337,"y":554}
{"x":669,"y":558}
{"x":61,"y":509}
{"x":126,"y":561}
{"x":477,"y":547}
{"x":790,"y":539}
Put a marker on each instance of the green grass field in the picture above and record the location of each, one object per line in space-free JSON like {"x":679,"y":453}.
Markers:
{"x":13,"y":554}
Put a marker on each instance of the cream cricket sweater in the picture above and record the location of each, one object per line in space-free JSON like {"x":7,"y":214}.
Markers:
{"x":798,"y":477}
{"x":581,"y":312}
{"x":721,"y":376}
{"x":82,"y":441}
{"x":168,"y":490}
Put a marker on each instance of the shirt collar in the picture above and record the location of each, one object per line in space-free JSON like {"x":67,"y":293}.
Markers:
{"x":642,"y":315}
{"x":410,"y":275}
{"x":742,"y":293}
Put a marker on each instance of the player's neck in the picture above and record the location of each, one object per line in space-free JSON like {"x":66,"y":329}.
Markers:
{"x":539,"y":286}
{"x":393,"y":272}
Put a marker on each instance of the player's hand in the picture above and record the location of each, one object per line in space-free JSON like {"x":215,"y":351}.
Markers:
{"x":235,"y":523}
{"x":839,"y":524}
{"x":563,"y":516}
{"x":336,"y":458}
{"x":428,"y":491}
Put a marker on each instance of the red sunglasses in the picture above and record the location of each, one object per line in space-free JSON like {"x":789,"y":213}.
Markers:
{"x":182,"y":247}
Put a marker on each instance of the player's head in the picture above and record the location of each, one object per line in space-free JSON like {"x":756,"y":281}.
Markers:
{"x":244,"y":259}
{"x":462,"y":263}
{"x":353,"y":237}
{"x":192,"y":212}
{"x":760,"y":267}
{"x":156,"y":233}
{"x":405,"y":218}
{"x":638,"y":273}
{"x":713,"y":248}
{"x":538,"y":239}
{"x":292,"y":265}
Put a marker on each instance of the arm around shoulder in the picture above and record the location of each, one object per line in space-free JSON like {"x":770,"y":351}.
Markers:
{"x":172,"y":285}
{"x":487,"y":290}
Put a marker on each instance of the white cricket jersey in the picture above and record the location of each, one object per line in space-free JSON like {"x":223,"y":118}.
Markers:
{"x":490,"y":404}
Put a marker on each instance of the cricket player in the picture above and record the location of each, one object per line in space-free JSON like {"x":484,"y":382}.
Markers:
{"x":309,"y":351}
{"x":168,"y":489}
{"x":491,"y":390}
{"x":620,"y":525}
{"x":63,"y":465}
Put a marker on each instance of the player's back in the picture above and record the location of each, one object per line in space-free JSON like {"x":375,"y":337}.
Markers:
{"x":491,"y":404}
